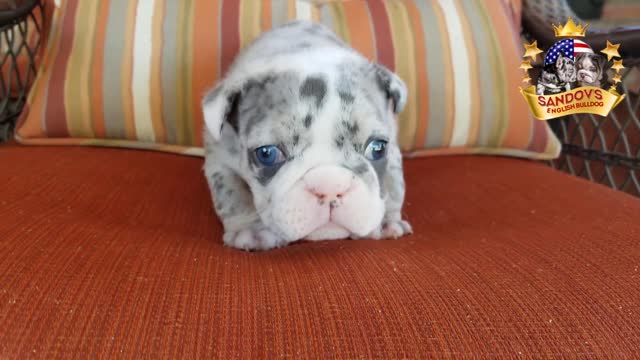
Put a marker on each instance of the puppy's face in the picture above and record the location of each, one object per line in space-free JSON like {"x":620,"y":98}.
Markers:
{"x":589,"y":69}
{"x":565,"y":69}
{"x":313,"y":148}
{"x":548,"y":77}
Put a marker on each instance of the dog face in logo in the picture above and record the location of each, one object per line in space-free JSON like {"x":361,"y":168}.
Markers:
{"x":565,"y":70}
{"x":590,"y":69}
{"x":548,"y":82}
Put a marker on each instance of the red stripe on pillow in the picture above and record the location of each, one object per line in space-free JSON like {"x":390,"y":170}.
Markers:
{"x":382,"y":30}
{"x":230,"y":39}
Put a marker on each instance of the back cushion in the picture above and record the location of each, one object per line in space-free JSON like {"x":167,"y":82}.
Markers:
{"x":132,"y":73}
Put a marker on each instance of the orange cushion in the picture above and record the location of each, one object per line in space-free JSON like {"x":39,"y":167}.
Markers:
{"x":108,"y":253}
{"x":114,"y":77}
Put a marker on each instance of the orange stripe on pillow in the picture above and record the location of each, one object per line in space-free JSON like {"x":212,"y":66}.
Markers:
{"x":265,"y":20}
{"x":359,"y":26}
{"x":230,"y":43}
{"x":205,"y":50}
{"x":422,"y":89}
{"x":180,"y":71}
{"x":155,"y":80}
{"x":185,"y":81}
{"x":97,"y":106}
{"x":127,"y":69}
{"x":382,"y":32}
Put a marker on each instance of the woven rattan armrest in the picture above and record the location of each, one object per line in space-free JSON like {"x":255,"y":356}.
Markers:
{"x":18,"y":52}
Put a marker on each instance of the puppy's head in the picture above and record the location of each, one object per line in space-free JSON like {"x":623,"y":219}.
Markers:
{"x":312,"y":147}
{"x":548,"y":75}
{"x":589,"y":68}
{"x":565,"y":69}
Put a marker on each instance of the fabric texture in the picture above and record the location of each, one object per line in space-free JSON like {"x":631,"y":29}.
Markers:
{"x":117,"y":254}
{"x":133,"y":73}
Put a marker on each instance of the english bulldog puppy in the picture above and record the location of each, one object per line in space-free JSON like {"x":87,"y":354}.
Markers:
{"x":565,"y":71}
{"x":548,"y":82}
{"x":300,"y":142}
{"x":590,"y":69}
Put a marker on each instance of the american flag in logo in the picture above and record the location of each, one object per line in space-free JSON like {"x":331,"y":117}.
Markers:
{"x":568,"y":48}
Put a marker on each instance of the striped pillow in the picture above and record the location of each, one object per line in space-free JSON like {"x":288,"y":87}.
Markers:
{"x":131,"y":73}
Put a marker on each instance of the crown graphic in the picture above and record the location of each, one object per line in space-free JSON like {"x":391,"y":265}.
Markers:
{"x":570,"y":29}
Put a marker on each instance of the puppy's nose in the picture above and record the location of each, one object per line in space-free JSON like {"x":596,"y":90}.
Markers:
{"x":328,"y":183}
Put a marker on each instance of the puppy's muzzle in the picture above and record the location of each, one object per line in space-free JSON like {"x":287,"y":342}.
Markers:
{"x":329,"y":184}
{"x":328,"y":202}
{"x":586,"y":76}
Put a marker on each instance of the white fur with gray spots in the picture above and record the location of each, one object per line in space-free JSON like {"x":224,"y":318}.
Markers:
{"x":326,"y":110}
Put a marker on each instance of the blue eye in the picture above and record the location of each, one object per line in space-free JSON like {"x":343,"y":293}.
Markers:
{"x":269,"y":155}
{"x":376,"y":150}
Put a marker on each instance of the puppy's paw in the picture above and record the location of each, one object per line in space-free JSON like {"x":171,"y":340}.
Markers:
{"x":392,"y":230}
{"x":253,"y":239}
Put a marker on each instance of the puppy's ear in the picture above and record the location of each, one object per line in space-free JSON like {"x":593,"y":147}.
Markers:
{"x":393,"y":86}
{"x":220,"y":106}
{"x":600,"y":61}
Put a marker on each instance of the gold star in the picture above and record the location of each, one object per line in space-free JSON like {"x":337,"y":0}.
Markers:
{"x":531,"y":50}
{"x":611,"y":51}
{"x":617,"y":65}
{"x":613,"y":88}
{"x":616,"y":79}
{"x":526,"y":79}
{"x":526,"y":65}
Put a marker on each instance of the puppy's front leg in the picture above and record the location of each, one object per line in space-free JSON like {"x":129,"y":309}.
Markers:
{"x":392,"y":224}
{"x":233,"y":202}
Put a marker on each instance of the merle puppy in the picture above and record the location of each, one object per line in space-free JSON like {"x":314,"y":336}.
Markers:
{"x":590,"y":69}
{"x":566,"y":72}
{"x":548,"y":83}
{"x":301,"y":142}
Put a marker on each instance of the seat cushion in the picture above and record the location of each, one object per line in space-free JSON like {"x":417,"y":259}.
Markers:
{"x":117,"y":252}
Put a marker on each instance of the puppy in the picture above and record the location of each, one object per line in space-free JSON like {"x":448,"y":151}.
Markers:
{"x":548,"y":82}
{"x":565,"y":71}
{"x":590,"y":69}
{"x":300,"y":142}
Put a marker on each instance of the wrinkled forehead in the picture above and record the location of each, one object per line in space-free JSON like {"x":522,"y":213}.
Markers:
{"x":564,"y":60}
{"x":291,"y":106}
{"x":587,"y":60}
